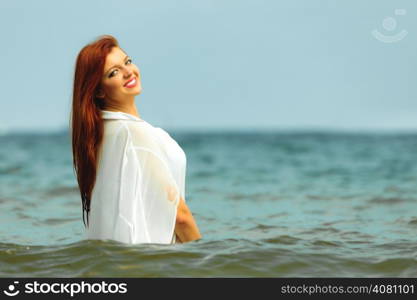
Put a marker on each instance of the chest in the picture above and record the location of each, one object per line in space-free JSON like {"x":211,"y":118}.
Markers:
{"x":174,"y":153}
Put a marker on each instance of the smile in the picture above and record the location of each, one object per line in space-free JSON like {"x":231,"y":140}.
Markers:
{"x":131,"y":83}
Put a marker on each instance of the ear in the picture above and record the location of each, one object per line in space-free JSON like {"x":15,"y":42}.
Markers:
{"x":100,"y":94}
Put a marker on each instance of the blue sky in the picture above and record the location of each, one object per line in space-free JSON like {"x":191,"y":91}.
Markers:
{"x":297,"y":64}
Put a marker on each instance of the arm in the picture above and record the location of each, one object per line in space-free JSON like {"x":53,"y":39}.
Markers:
{"x":185,"y":226}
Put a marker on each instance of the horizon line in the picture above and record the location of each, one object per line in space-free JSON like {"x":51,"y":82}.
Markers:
{"x":231,"y":129}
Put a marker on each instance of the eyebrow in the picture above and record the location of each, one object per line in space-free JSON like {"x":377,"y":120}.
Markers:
{"x":106,"y":73}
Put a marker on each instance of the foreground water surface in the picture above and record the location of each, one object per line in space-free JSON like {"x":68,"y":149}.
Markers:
{"x":268,"y":204}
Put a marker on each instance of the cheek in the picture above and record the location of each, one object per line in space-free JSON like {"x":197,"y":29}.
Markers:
{"x":113,"y":85}
{"x":136,"y":70}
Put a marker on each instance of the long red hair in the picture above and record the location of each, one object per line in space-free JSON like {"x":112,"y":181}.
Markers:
{"x":86,"y":123}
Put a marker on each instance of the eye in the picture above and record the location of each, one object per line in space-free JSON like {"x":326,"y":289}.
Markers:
{"x":129,"y":61}
{"x":112,"y":73}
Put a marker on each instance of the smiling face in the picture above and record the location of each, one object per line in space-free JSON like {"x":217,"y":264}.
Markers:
{"x":121,"y":78}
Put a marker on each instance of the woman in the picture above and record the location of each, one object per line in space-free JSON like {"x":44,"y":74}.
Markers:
{"x":131,"y":175}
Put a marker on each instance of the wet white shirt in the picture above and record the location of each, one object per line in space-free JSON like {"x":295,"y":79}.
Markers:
{"x":140,"y":179}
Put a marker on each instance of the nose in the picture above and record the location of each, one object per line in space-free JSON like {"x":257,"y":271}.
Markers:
{"x":127,"y":73}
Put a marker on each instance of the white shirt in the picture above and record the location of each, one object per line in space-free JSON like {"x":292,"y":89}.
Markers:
{"x":140,"y":178}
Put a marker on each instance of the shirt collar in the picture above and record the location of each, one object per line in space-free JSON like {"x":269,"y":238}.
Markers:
{"x":118,"y":115}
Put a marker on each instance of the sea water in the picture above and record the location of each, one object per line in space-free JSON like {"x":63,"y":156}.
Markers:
{"x":268,"y":204}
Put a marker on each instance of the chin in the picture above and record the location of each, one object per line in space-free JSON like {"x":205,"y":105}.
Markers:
{"x":138,"y":91}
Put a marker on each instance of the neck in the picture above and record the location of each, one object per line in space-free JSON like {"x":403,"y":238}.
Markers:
{"x":128,"y":107}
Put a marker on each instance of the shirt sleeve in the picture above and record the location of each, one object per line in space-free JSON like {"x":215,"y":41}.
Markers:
{"x":149,"y":193}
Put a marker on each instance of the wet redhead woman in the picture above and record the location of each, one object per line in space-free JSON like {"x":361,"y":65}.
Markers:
{"x":131,"y":175}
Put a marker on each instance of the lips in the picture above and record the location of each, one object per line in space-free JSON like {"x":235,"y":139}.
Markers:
{"x":131,"y":83}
